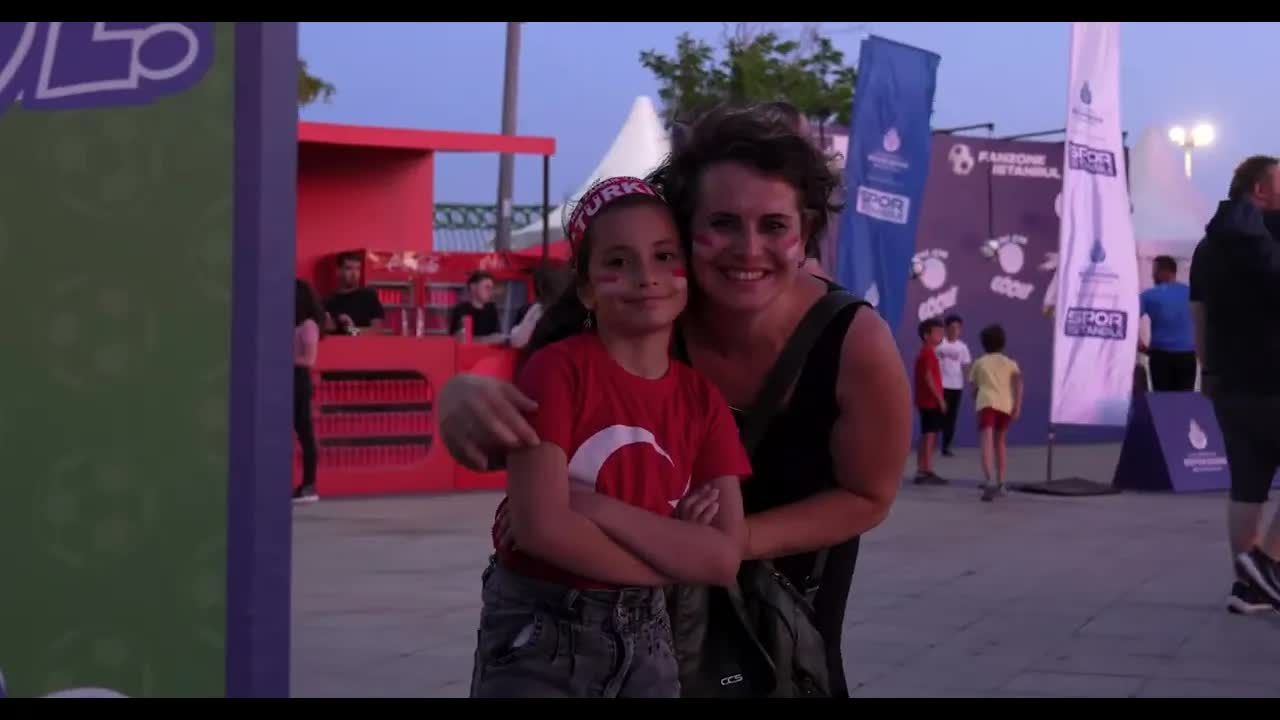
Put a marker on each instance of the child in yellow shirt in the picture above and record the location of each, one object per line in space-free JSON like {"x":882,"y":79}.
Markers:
{"x":997,"y":382}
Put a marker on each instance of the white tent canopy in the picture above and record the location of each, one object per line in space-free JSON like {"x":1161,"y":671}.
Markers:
{"x":1169,"y":213}
{"x":639,"y":147}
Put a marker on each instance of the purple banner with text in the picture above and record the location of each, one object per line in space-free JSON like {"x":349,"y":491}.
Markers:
{"x":985,"y":250}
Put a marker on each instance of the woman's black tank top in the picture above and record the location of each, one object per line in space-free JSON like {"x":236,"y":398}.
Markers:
{"x":793,"y":462}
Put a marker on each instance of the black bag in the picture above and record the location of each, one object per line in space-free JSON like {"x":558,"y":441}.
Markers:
{"x":758,"y":638}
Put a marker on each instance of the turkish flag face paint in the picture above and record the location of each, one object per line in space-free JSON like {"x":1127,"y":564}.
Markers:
{"x":793,"y":248}
{"x":680,"y":278}
{"x":709,"y":245}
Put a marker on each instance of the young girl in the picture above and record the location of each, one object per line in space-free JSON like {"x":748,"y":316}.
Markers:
{"x":997,"y":383}
{"x":308,"y":318}
{"x":573,"y":606}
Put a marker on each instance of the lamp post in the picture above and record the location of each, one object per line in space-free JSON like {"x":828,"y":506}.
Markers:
{"x":1202,"y":135}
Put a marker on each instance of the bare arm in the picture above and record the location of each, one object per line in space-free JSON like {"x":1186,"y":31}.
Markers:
{"x":523,"y":331}
{"x":689,"y":552}
{"x":869,"y":444}
{"x":935,"y":389}
{"x":310,"y":344}
{"x":1016,"y":382}
{"x":546,"y":527}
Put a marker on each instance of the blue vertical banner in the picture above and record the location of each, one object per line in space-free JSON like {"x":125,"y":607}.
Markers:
{"x":885,"y":171}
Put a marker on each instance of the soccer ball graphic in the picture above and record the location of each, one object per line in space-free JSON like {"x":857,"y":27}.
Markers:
{"x":961,"y":159}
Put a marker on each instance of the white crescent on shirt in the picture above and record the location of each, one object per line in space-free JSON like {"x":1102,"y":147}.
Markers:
{"x":591,"y":455}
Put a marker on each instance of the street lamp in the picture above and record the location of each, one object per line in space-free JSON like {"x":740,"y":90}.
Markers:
{"x":1201,"y":135}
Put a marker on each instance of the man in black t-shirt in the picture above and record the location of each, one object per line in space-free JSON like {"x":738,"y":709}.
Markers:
{"x":486,"y":327}
{"x":1235,"y":307}
{"x":352,"y":306}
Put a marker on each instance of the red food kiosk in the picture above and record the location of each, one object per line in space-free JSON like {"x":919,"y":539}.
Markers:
{"x":371,"y":190}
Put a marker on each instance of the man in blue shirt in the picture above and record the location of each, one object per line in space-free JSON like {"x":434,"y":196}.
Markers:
{"x":1172,"y":352}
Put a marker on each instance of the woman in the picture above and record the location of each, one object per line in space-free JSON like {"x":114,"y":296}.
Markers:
{"x":308,"y":318}
{"x":751,"y":197}
{"x":545,"y":290}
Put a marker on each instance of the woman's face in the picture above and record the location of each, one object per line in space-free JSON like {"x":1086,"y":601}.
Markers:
{"x":748,"y":237}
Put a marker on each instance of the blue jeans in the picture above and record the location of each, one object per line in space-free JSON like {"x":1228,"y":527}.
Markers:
{"x":539,"y":639}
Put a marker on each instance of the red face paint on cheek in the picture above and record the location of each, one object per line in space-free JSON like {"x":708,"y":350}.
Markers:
{"x":679,"y":272}
{"x":609,"y":279}
{"x":790,"y":241}
{"x":703,"y":240}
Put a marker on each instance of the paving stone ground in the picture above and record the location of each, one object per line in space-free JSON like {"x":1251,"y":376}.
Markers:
{"x":1113,"y":596}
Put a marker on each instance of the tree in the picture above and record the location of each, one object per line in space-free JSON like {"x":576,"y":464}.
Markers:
{"x":312,"y":88}
{"x":756,"y":65}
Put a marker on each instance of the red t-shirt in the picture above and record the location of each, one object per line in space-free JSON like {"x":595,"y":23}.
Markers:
{"x":928,"y":375}
{"x":646,"y":442}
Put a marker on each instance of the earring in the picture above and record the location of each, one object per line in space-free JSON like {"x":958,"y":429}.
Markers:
{"x":586,"y":324}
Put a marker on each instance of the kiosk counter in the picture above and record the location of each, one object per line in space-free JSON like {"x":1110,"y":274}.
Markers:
{"x":375,"y":414}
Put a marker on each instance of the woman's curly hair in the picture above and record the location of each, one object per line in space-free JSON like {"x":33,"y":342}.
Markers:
{"x":758,"y":138}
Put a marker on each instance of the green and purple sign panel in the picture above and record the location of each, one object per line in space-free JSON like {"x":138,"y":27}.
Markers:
{"x":147,"y":185}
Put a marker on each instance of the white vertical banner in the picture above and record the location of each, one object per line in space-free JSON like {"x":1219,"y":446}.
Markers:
{"x":1096,"y":319}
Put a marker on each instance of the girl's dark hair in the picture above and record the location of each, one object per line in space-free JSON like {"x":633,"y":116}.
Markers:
{"x":306,"y":305}
{"x":567,"y":316}
{"x":992,"y":338}
{"x":761,"y":139}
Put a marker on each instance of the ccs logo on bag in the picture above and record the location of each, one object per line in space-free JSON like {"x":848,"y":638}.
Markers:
{"x":731,"y":680}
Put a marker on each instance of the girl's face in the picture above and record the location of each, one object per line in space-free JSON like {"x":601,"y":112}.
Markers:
{"x":748,"y":237}
{"x":636,"y":282}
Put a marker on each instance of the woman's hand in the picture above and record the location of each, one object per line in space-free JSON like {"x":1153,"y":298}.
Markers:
{"x":482,"y":419}
{"x":700,"y":505}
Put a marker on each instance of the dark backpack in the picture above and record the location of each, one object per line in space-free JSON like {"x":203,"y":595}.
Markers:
{"x":758,"y":638}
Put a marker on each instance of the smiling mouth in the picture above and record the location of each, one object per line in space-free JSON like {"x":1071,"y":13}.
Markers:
{"x":744,"y":275}
{"x":649,"y":300}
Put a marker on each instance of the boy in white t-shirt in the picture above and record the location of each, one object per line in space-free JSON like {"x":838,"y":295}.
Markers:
{"x":953,"y":357}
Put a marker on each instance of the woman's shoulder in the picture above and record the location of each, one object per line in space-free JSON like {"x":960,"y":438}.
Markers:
{"x":869,"y":347}
{"x":307,"y":328}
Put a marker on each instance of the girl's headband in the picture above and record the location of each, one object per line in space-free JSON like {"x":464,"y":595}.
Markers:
{"x":598,"y":198}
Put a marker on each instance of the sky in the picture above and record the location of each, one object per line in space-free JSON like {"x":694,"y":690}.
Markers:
{"x":578,"y":81}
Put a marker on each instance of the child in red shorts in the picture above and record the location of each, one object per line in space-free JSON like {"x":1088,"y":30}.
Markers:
{"x":930,"y":400}
{"x":997,"y":382}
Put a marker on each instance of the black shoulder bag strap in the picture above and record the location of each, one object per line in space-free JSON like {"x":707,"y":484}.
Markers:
{"x":781,"y":377}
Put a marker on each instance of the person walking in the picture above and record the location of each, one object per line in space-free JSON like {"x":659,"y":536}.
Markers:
{"x":1235,"y":301}
{"x":308,"y":318}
